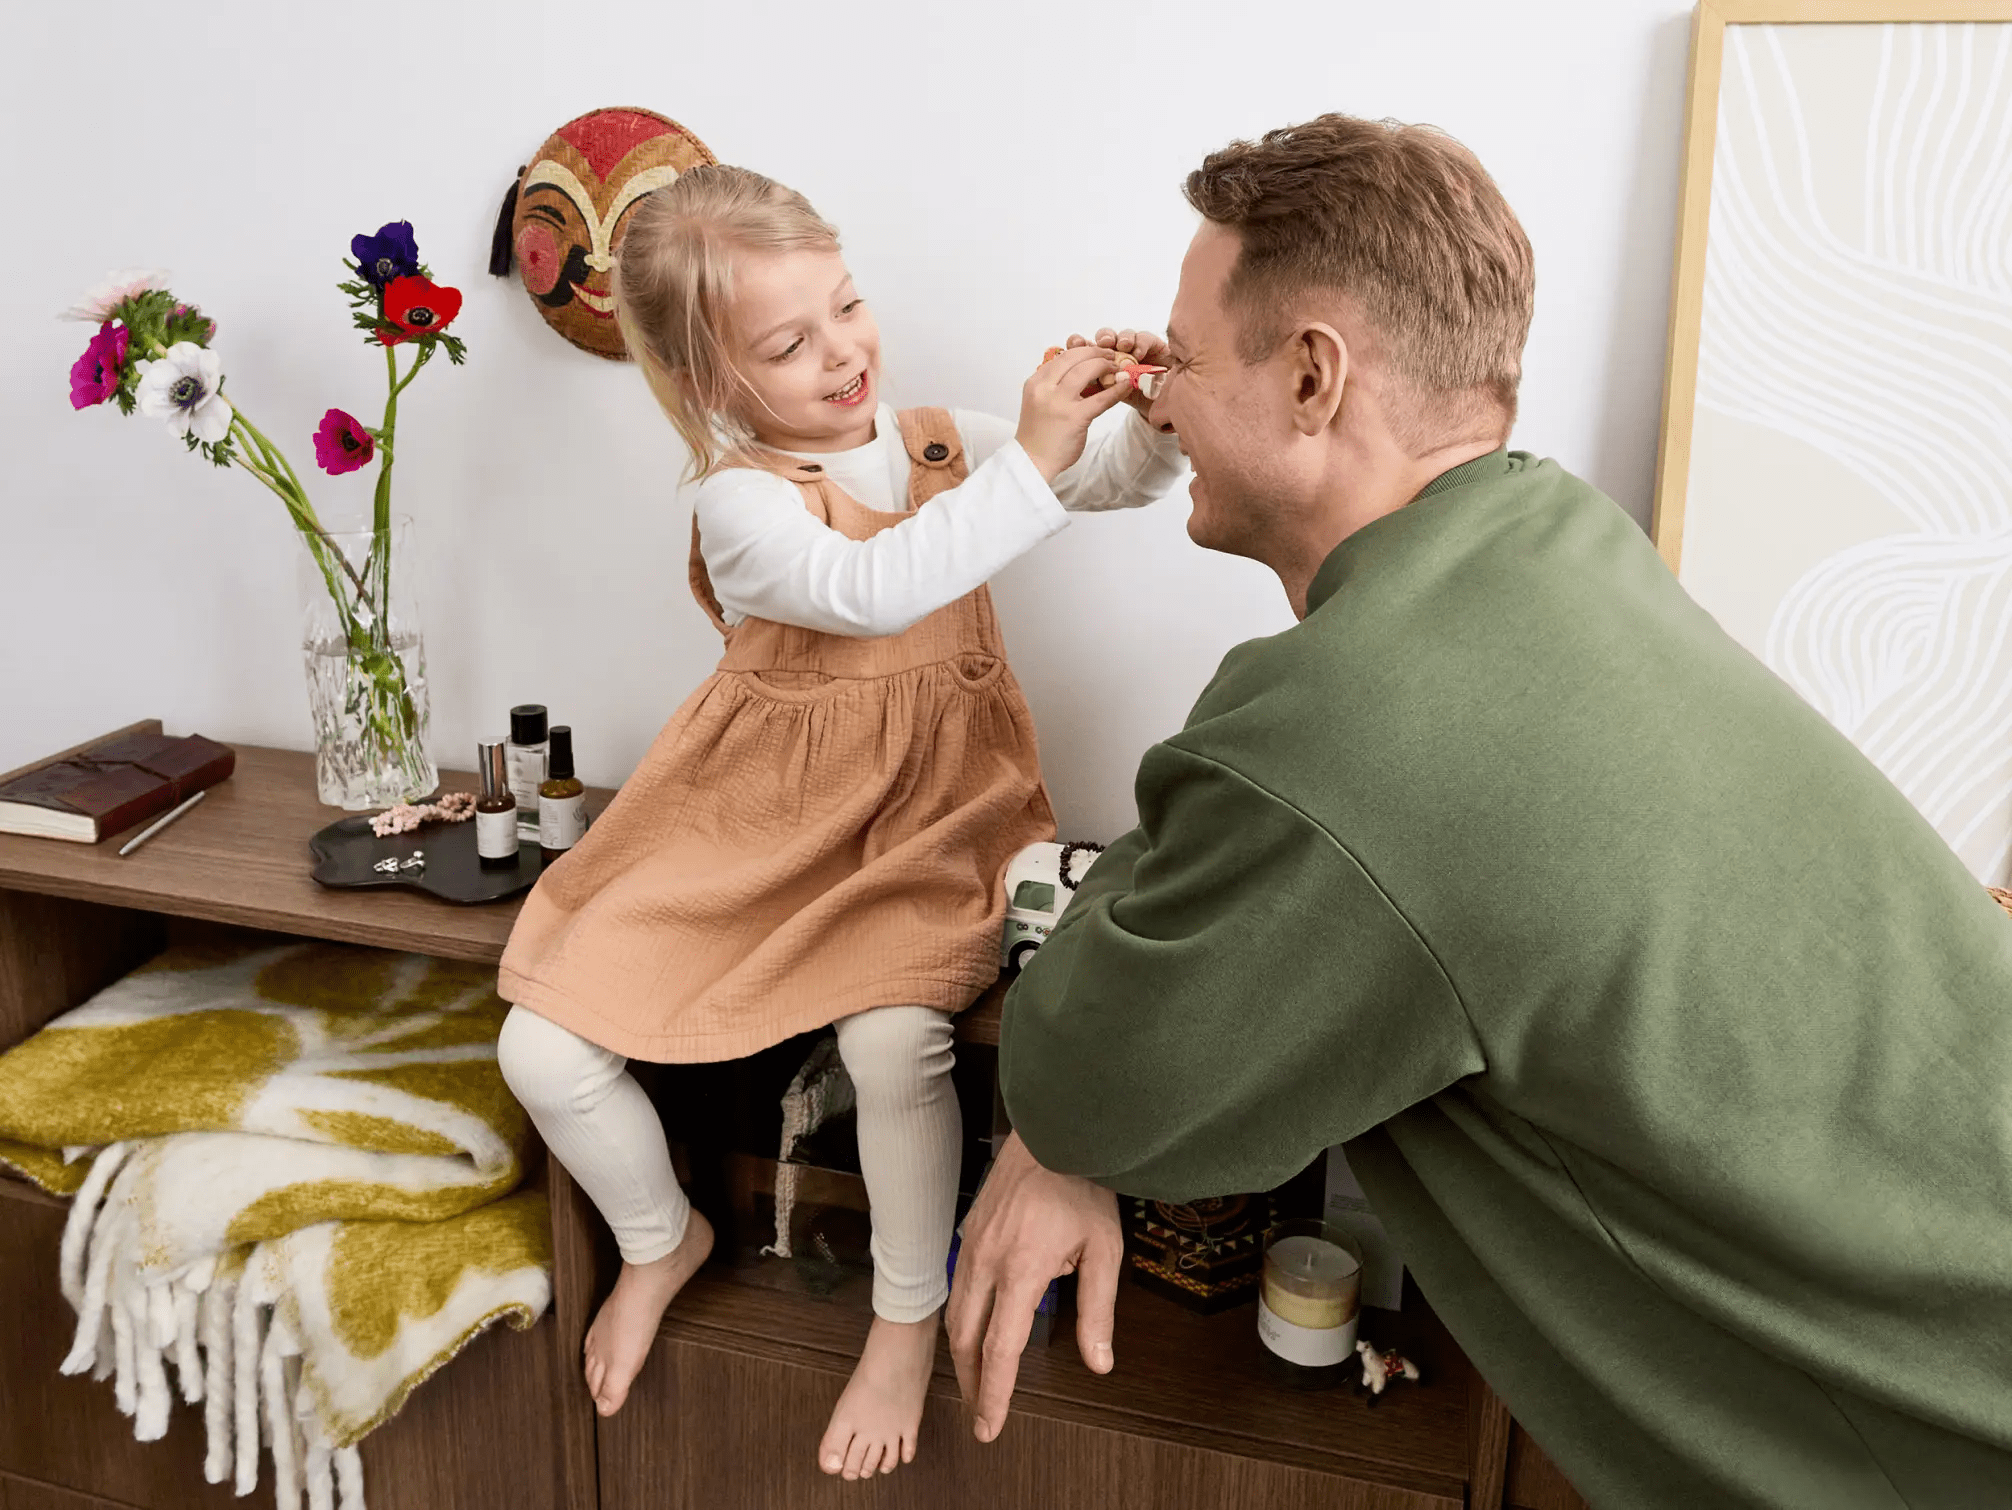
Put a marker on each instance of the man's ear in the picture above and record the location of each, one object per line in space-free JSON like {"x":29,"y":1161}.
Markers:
{"x":1316,"y":360}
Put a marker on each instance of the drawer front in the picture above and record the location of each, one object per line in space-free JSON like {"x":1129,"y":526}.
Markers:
{"x":734,"y":1431}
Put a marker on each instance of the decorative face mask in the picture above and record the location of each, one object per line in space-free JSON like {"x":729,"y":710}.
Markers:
{"x":565,"y":215}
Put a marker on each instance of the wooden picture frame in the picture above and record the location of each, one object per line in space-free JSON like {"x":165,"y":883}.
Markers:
{"x":1694,"y":201}
{"x":1839,"y":378}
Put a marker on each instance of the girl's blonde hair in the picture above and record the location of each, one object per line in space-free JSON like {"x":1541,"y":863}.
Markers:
{"x":674,"y":293}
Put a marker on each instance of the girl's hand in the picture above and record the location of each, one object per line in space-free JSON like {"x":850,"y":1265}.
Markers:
{"x":1141,"y":346}
{"x":1055,"y":414}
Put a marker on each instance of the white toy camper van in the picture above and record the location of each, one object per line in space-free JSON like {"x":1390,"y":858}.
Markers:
{"x":1039,"y":882}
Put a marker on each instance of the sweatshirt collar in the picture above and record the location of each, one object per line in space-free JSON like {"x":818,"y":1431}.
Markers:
{"x":1335,"y":567}
{"x":1494,"y":464}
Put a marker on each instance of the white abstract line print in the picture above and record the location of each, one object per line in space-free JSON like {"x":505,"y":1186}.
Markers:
{"x":1858,"y":299}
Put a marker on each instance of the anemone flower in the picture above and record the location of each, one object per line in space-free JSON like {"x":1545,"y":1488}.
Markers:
{"x":95,"y":375}
{"x":391,"y":253}
{"x":341,"y":444}
{"x":418,"y":307}
{"x":182,"y":387}
{"x":101,"y":302}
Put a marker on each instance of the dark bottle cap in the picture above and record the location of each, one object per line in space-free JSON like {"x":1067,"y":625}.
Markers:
{"x":527,"y":724}
{"x":559,"y":759}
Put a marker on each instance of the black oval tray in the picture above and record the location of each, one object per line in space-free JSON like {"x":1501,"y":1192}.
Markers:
{"x":345,"y":851}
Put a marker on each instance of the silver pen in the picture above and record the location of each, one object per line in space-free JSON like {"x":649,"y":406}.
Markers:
{"x":160,"y":823}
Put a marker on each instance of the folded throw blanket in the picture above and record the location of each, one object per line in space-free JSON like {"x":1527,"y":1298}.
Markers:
{"x":292,"y":1169}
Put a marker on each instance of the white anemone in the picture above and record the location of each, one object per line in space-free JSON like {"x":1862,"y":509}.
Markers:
{"x":182,"y":388}
{"x":96,"y":306}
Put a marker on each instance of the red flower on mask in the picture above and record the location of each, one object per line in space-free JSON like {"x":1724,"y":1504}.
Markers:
{"x":418,"y":307}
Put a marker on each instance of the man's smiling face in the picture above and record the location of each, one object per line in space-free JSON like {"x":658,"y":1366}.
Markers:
{"x":1221,"y":407}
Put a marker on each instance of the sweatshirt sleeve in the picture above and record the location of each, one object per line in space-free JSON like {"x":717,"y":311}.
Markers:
{"x":1125,"y":464}
{"x":1227,"y":994}
{"x":769,"y":558}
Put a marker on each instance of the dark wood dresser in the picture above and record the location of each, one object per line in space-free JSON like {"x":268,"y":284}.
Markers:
{"x":728,"y":1412}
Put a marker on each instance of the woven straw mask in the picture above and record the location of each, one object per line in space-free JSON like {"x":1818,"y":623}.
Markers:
{"x":571,"y":204}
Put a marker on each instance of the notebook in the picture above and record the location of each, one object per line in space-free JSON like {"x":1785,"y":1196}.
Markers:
{"x":110,"y":784}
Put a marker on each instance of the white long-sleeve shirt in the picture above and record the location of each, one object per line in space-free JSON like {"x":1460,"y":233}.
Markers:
{"x":770,"y":558}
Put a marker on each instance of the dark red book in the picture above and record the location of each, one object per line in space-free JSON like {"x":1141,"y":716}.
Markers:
{"x":110,"y":784}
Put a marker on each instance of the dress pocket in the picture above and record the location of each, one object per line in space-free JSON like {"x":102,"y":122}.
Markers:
{"x":783,"y":685}
{"x":975,"y":671}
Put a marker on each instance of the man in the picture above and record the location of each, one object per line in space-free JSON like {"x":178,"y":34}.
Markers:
{"x":1670,"y":1042}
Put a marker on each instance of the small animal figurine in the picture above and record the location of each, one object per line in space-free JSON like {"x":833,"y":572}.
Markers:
{"x":1378,"y":1369}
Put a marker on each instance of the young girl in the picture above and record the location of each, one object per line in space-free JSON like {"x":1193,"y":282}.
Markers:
{"x":819,"y":836}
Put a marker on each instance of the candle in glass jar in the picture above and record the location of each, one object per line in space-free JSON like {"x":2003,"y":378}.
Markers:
{"x":1308,"y":1295}
{"x":1303,"y":1282}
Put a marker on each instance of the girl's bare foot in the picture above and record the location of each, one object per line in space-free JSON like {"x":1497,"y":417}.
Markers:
{"x":878,"y":1416}
{"x":626,"y":1325}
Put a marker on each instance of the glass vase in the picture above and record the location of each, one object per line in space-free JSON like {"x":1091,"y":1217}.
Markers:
{"x":366,"y":668}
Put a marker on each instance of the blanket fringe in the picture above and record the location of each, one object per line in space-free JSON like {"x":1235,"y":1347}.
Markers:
{"x":232,"y":1353}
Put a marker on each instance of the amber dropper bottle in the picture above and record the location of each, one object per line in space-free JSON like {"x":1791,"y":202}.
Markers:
{"x":495,"y":809}
{"x":562,"y":800}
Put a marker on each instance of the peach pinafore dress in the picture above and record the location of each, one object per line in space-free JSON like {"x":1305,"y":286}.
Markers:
{"x":822,"y":828}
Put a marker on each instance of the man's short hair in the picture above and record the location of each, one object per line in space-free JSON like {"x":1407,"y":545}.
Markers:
{"x":1405,"y":222}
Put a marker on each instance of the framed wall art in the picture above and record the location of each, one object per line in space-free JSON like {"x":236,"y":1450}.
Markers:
{"x":1835,"y":480}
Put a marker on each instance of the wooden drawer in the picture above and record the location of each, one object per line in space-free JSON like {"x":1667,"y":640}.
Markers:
{"x":743,"y":1436}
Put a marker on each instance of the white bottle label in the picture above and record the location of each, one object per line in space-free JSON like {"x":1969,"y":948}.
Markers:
{"x":1310,"y":1347}
{"x":496,"y":835}
{"x":561,"y":821}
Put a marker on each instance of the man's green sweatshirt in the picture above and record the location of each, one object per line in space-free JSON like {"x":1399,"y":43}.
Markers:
{"x":1671,"y":1043}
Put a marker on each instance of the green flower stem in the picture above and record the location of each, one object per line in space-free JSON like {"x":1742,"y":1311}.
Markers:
{"x":425,"y":354}
{"x":387,"y":432}
{"x":311,"y":536}
{"x":381,"y":501}
{"x":294,"y":496}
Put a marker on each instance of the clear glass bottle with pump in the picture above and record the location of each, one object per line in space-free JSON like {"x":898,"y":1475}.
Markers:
{"x":562,"y":800}
{"x":496,"y":837}
{"x":526,"y":755}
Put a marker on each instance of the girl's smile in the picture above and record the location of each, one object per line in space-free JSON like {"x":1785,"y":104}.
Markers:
{"x":853,"y":394}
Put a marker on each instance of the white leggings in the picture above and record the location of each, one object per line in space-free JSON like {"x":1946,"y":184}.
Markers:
{"x":599,"y":1123}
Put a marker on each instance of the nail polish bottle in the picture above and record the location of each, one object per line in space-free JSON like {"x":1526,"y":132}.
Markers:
{"x":495,"y":810}
{"x":527,"y":750}
{"x":562,"y":800}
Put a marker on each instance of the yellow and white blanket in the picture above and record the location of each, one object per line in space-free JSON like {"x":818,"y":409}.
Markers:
{"x":292,"y":1170}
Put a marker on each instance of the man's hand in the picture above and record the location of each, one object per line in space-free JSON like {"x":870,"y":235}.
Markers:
{"x":1141,"y":346}
{"x":1027,"y":1227}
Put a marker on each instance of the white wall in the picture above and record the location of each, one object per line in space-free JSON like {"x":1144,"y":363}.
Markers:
{"x":991,"y":201}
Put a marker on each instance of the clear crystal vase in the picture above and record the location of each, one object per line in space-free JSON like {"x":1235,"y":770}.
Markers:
{"x":366,"y":668}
